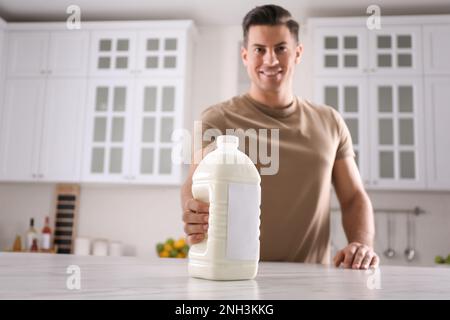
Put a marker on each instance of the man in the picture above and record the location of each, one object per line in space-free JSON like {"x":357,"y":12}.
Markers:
{"x":315,"y":150}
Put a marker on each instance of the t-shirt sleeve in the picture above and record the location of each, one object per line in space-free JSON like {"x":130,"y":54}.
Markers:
{"x":212,"y":123}
{"x":345,"y":145}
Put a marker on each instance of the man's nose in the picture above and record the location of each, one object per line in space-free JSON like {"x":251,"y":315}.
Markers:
{"x":270,"y":58}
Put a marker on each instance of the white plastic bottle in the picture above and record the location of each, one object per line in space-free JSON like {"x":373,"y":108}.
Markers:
{"x":228,"y":180}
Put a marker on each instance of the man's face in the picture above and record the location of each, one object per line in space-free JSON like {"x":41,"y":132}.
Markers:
{"x":270,"y":57}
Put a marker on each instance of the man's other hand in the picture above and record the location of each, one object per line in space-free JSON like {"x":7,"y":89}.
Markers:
{"x":356,"y":256}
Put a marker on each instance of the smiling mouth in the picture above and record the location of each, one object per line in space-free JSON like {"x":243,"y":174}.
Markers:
{"x":270,"y":74}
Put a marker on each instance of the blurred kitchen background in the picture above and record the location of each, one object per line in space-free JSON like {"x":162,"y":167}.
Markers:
{"x":86,"y":114}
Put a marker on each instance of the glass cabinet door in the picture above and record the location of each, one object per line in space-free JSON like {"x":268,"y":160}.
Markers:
{"x":161,"y":53}
{"x":396,"y":50}
{"x":113,"y":53}
{"x":398,"y":156}
{"x":108,"y":134}
{"x":341,"y":51}
{"x":158,"y":114}
{"x":348,"y":97}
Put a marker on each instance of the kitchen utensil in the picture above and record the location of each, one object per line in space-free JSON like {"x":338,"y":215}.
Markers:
{"x":410,"y":230}
{"x":390,"y":252}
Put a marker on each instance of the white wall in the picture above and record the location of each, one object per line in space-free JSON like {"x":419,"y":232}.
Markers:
{"x":142,"y":216}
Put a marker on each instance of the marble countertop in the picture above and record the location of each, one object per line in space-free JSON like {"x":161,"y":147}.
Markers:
{"x":45,"y":276}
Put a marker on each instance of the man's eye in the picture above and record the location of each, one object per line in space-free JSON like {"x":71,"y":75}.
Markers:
{"x":259,"y":50}
{"x":282,"y":49}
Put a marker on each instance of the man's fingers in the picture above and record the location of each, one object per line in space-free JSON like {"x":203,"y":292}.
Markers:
{"x":191,"y":228}
{"x":197,"y":206}
{"x":339,"y":258}
{"x":375,"y":262}
{"x":195,"y":238}
{"x":358,"y":257}
{"x":349,"y":255}
{"x":367,"y":259}
{"x":193,"y":217}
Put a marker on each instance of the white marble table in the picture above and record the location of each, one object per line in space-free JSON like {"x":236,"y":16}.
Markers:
{"x":44,"y":276}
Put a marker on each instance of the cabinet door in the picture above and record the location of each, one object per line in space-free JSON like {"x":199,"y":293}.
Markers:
{"x":21,"y":129}
{"x":113,"y":53}
{"x":340,"y":51}
{"x":60,"y":154}
{"x":437,"y":97}
{"x":436,"y":49}
{"x":159,"y":110}
{"x":349,"y":97}
{"x":68,"y":53}
{"x":161,"y":53}
{"x":108,"y":120}
{"x":397,"y":132}
{"x":27,"y":53}
{"x":396,"y":50}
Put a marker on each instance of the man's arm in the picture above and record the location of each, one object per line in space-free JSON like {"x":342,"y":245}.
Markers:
{"x":357,"y":216}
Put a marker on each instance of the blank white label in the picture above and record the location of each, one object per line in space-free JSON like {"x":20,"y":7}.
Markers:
{"x":243,"y":221}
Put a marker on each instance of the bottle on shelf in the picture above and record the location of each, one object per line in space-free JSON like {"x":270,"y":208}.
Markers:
{"x":46,"y":236}
{"x":31,"y":235}
{"x":34,"y":246}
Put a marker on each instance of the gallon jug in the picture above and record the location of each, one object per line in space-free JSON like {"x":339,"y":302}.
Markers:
{"x":228,"y":180}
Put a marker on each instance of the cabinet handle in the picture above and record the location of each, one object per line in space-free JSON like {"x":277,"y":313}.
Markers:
{"x":375,"y":182}
{"x":43,"y":72}
{"x":33,"y":175}
{"x":49,"y":71}
{"x":373,"y":70}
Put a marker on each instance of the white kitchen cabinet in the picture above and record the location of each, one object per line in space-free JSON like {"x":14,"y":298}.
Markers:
{"x":341,"y":51}
{"x":437,"y":98}
{"x":68,"y":53}
{"x":27,"y":53}
{"x":355,"y":50}
{"x":61,"y":146}
{"x":85,"y":95}
{"x":108,"y":131}
{"x":349,"y":97}
{"x":437,"y":49}
{"x":21,"y":129}
{"x":41,"y":130}
{"x":2,"y":66}
{"x":396,"y":127}
{"x":113,"y":53}
{"x":129,"y":130}
{"x":395,"y":50}
{"x":159,"y":110}
{"x":161,"y":53}
{"x":407,"y":139}
{"x":144,"y":53}
{"x":56,"y":53}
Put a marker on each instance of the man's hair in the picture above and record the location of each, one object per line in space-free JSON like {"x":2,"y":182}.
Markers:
{"x":269,"y":15}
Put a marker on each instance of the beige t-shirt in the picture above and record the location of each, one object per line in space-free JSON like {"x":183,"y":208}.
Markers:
{"x":295,"y":201}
